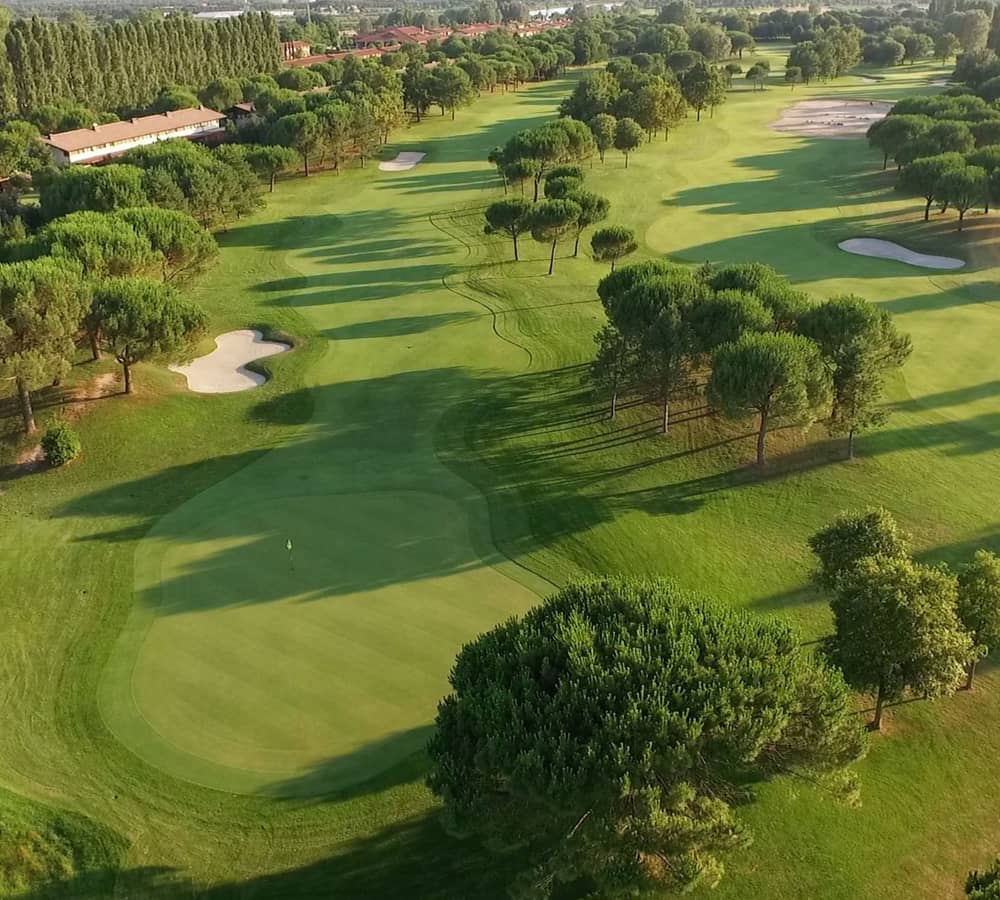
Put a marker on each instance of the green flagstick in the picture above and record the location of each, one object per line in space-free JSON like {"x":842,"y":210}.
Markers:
{"x":288,"y":547}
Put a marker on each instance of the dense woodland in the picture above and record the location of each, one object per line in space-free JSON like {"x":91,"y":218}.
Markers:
{"x":125,"y":65}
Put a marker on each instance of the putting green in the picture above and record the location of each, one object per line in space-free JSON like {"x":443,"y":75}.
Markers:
{"x":259,"y":669}
{"x":244,"y":671}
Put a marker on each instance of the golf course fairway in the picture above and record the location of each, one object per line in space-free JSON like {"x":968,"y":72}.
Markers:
{"x":230,"y":718}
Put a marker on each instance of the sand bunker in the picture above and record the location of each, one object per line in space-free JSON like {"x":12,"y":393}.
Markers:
{"x":889,"y":250}
{"x":224,"y":370}
{"x":403,"y":162}
{"x":831,"y":118}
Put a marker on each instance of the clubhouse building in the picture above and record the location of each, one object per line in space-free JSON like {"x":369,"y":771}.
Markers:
{"x":100,"y":143}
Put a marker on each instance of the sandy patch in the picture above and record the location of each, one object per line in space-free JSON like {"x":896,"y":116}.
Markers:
{"x":890,"y":250}
{"x":867,"y":79}
{"x":32,"y":458}
{"x":831,"y":118}
{"x":224,"y":370}
{"x":402,"y":163}
{"x":939,"y":82}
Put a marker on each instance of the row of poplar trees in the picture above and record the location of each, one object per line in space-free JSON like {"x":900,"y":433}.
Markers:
{"x":125,"y":65}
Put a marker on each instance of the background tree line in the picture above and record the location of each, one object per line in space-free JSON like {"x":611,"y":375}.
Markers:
{"x":126,"y":64}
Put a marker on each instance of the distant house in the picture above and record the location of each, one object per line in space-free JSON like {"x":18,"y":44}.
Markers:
{"x":242,"y":114}
{"x":295,"y":50}
{"x":400,"y":34}
{"x":102,"y":142}
{"x":326,"y":57}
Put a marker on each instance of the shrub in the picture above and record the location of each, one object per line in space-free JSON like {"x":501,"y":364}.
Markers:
{"x":60,"y":445}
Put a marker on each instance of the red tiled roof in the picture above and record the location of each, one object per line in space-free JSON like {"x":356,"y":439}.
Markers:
{"x":132,"y":129}
{"x":326,"y":57}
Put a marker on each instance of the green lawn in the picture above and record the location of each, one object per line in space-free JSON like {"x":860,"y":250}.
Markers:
{"x":250,"y":725}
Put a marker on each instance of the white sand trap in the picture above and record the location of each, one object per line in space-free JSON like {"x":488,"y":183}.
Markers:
{"x":224,"y":370}
{"x":831,"y":118}
{"x":403,"y":162}
{"x":889,"y":250}
{"x":867,"y":79}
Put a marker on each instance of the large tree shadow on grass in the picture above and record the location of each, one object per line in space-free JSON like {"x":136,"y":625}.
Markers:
{"x":414,"y":859}
{"x":314,"y":786}
{"x":785,"y":180}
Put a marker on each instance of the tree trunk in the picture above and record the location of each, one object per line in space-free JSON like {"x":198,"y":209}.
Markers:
{"x":626,"y":160}
{"x":516,"y":258}
{"x":876,"y":723}
{"x":850,"y":444}
{"x":538,"y":178}
{"x":666,"y":417}
{"x":601,"y":154}
{"x":961,"y":219}
{"x":697,"y":117}
{"x":927,"y":209}
{"x":95,"y":347}
{"x":612,"y":264}
{"x":24,"y":400}
{"x":127,"y":372}
{"x":305,"y":165}
{"x":274,"y":175}
{"x":552,"y":257}
{"x":762,"y":438}
{"x":453,"y":114}
{"x":614,"y":402}
{"x":885,"y":160}
{"x":971,"y":675}
{"x":576,"y":246}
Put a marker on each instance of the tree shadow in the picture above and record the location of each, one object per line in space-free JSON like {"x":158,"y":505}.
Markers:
{"x":397,"y":327}
{"x":322,"y":229}
{"x":474,"y":179}
{"x":354,"y":770}
{"x":414,"y":858}
{"x":385,"y":250}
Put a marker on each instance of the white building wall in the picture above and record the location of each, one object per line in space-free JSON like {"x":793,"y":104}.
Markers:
{"x":90,"y":154}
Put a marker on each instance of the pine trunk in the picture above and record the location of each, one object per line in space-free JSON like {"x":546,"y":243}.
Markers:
{"x":666,"y":417}
{"x":273,"y":177}
{"x":762,"y":438}
{"x":127,"y":373}
{"x":24,"y":401}
{"x":95,"y":347}
{"x":614,"y":403}
{"x":516,"y":258}
{"x":850,"y":444}
{"x":552,"y":257}
{"x":576,"y":245}
{"x":927,"y":209}
{"x":876,"y":724}
{"x":971,"y":676}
